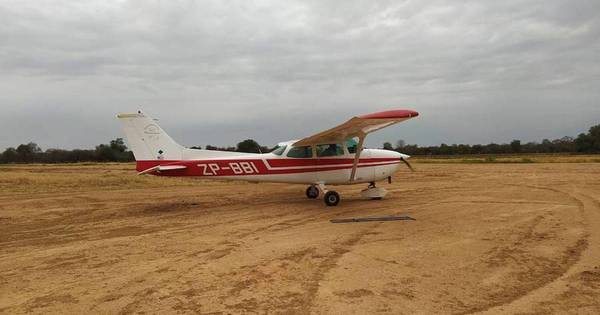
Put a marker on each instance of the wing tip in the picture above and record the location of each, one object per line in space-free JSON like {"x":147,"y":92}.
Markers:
{"x":391,"y":114}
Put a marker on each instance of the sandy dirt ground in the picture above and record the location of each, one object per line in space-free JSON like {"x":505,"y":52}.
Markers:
{"x":488,"y":238}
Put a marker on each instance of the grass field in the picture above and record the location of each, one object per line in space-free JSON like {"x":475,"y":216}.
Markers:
{"x":494,"y":238}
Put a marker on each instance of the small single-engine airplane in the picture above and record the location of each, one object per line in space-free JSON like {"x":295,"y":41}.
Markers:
{"x":332,"y":157}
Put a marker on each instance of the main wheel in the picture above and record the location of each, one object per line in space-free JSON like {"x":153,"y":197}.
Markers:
{"x":312,"y":192}
{"x":331,"y":198}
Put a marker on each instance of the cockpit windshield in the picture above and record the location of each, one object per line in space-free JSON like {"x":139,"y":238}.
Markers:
{"x":279,"y":150}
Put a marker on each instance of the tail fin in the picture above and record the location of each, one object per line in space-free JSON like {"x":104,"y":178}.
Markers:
{"x":147,"y":140}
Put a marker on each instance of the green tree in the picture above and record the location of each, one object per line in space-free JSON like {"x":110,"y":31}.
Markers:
{"x":589,"y":142}
{"x":104,"y":153}
{"x":594,"y":134}
{"x":116,"y":151}
{"x":55,"y":156}
{"x":10,"y":155}
{"x":400,"y":144}
{"x":27,"y":152}
{"x":248,"y":146}
{"x":515,"y":146}
{"x":546,"y":146}
{"x":387,"y":146}
{"x":118,"y":145}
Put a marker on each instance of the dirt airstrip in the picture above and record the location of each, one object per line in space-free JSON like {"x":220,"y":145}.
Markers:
{"x":490,"y":238}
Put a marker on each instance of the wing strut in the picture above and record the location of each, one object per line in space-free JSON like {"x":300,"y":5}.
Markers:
{"x":359,"y":148}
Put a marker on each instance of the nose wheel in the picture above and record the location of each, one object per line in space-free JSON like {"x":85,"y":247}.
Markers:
{"x":331,"y":198}
{"x":373,"y":192}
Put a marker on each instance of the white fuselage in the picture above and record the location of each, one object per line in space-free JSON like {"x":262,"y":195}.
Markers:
{"x":373,"y":165}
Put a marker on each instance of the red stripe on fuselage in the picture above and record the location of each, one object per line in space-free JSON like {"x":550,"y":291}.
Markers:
{"x":328,"y":161}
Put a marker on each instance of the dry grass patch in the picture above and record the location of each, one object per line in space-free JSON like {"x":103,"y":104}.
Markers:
{"x":509,"y":158}
{"x":79,"y":177}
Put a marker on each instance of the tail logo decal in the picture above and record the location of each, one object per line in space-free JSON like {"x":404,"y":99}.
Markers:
{"x":152,"y":131}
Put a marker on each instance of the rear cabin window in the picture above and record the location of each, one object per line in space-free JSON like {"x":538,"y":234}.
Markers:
{"x":300,"y":152}
{"x":278,"y":150}
{"x":330,"y":150}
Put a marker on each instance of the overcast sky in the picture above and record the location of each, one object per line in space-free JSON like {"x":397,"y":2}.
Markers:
{"x":217,"y":72}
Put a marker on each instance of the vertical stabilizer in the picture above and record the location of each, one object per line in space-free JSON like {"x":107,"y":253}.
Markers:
{"x":147,"y":140}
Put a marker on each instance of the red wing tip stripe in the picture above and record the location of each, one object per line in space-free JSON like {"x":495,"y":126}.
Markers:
{"x":391,"y":114}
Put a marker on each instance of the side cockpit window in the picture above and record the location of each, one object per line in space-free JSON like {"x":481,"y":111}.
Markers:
{"x":351,"y":145}
{"x":300,"y":152}
{"x":330,"y":150}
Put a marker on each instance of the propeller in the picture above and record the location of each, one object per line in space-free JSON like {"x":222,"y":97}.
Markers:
{"x":407,"y":164}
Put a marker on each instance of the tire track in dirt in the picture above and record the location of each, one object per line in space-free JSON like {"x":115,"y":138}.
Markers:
{"x":331,"y":262}
{"x":590,"y":210}
{"x":190,"y":263}
{"x":321,"y":261}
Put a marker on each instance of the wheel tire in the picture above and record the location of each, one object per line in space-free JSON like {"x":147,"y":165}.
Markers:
{"x":331,"y":198}
{"x":312,"y":192}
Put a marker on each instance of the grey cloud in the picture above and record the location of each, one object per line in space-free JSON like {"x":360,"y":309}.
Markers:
{"x":214,"y":71}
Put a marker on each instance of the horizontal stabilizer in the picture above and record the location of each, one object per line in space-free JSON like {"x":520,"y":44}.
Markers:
{"x":162,"y":168}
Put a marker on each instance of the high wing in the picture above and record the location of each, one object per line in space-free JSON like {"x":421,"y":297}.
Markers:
{"x":360,"y":127}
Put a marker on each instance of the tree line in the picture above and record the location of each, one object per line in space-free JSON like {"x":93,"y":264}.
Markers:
{"x":116,"y":150}
{"x":583,"y":143}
